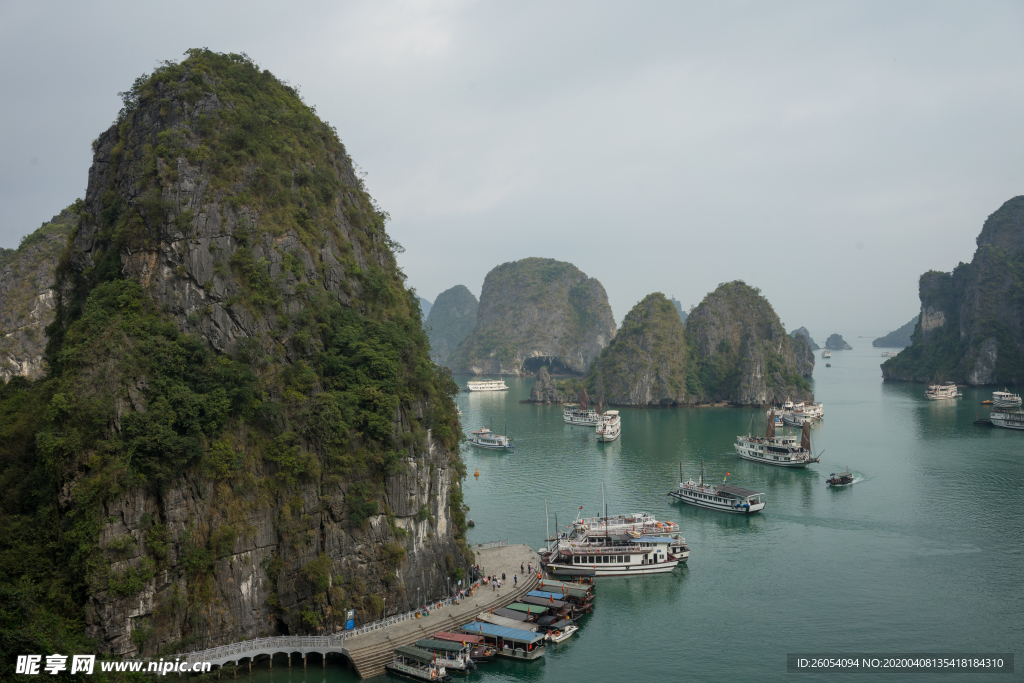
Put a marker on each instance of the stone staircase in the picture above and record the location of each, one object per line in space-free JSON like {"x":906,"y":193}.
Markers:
{"x":370,"y":659}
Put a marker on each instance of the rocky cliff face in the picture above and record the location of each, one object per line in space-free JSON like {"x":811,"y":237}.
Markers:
{"x":802,"y":331}
{"x":648,"y":363}
{"x":835,"y":342}
{"x":744,"y":356}
{"x":451,"y":319}
{"x":26,"y":296}
{"x":545,"y":389}
{"x":804,"y":356}
{"x":972,"y":320}
{"x":245,"y":430}
{"x":898,"y":339}
{"x":533,"y":313}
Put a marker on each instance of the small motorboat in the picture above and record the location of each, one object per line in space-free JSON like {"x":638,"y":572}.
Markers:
{"x":828,"y":365}
{"x":987,"y":402}
{"x":560,"y":635}
{"x":837,"y":479}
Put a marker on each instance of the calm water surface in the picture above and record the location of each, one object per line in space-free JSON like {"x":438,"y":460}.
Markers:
{"x":923,"y":554}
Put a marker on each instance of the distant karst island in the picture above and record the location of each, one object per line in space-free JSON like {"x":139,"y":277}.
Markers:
{"x":835,"y":342}
{"x":898,"y":339}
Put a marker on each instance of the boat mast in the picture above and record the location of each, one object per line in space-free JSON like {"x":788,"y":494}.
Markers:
{"x":702,"y":472}
{"x":547,"y":526}
{"x":680,"y":471}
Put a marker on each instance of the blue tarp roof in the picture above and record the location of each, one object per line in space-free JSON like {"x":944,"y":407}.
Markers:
{"x":478,"y":627}
{"x":546,"y":595}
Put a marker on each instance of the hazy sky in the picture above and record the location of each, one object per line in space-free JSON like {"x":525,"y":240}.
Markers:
{"x":827,"y":153}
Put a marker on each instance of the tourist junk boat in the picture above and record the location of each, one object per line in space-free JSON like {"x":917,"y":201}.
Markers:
{"x":781,"y":451}
{"x":839,"y":479}
{"x":581,"y":414}
{"x":1004,"y":399}
{"x":617,"y":554}
{"x":610,"y":426}
{"x":577,"y":415}
{"x":624,"y":545}
{"x":480,"y":651}
{"x":487,"y":385}
{"x":454,"y":657}
{"x":485,"y":438}
{"x":509,"y":642}
{"x":1007,"y":419}
{"x":724,"y":497}
{"x":889,"y":354}
{"x":826,"y":354}
{"x":419,"y":665}
{"x":939,"y":392}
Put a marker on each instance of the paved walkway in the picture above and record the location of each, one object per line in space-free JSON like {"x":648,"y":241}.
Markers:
{"x":370,"y":651}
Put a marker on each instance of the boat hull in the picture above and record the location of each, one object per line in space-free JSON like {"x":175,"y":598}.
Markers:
{"x":491,"y":447}
{"x":579,"y":422}
{"x":412,"y":674}
{"x":1008,"y":420}
{"x":756,"y":507}
{"x":600,"y":571}
{"x":604,"y":438}
{"x":754,"y":457}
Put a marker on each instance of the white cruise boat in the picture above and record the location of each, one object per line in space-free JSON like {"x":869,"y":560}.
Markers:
{"x":578,"y":415}
{"x":781,"y":451}
{"x":1004,"y":399}
{"x":610,"y":426}
{"x":826,"y":354}
{"x":723,"y":497}
{"x":1007,"y":419}
{"x":487,"y":385}
{"x":485,"y":438}
{"x":627,"y":553}
{"x":939,"y":392}
{"x":889,"y":354}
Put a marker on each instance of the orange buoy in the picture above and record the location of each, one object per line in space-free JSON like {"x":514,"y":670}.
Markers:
{"x":476,"y":473}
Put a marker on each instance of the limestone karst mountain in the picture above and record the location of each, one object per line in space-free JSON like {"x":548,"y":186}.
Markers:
{"x":743,"y":354}
{"x":648,"y":363}
{"x":733,"y":349}
{"x":26,"y":298}
{"x":241,"y":433}
{"x":537,"y":312}
{"x":451,"y":319}
{"x":899,"y":338}
{"x":835,"y":342}
{"x":803,"y":331}
{"x":972,"y":320}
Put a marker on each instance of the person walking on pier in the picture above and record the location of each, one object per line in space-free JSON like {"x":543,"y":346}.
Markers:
{"x":515,"y":580}
{"x":503,"y":576}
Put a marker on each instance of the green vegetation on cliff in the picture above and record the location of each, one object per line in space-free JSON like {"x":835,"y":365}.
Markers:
{"x":649,"y":361}
{"x":333,"y":388}
{"x":743,"y":354}
{"x":971,"y":327}
{"x":536,"y":312}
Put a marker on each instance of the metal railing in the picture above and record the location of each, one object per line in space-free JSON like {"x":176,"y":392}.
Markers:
{"x":398,"y":618}
{"x":269,"y":645}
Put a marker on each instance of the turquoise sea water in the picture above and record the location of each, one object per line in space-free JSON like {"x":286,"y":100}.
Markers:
{"x":925,"y":553}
